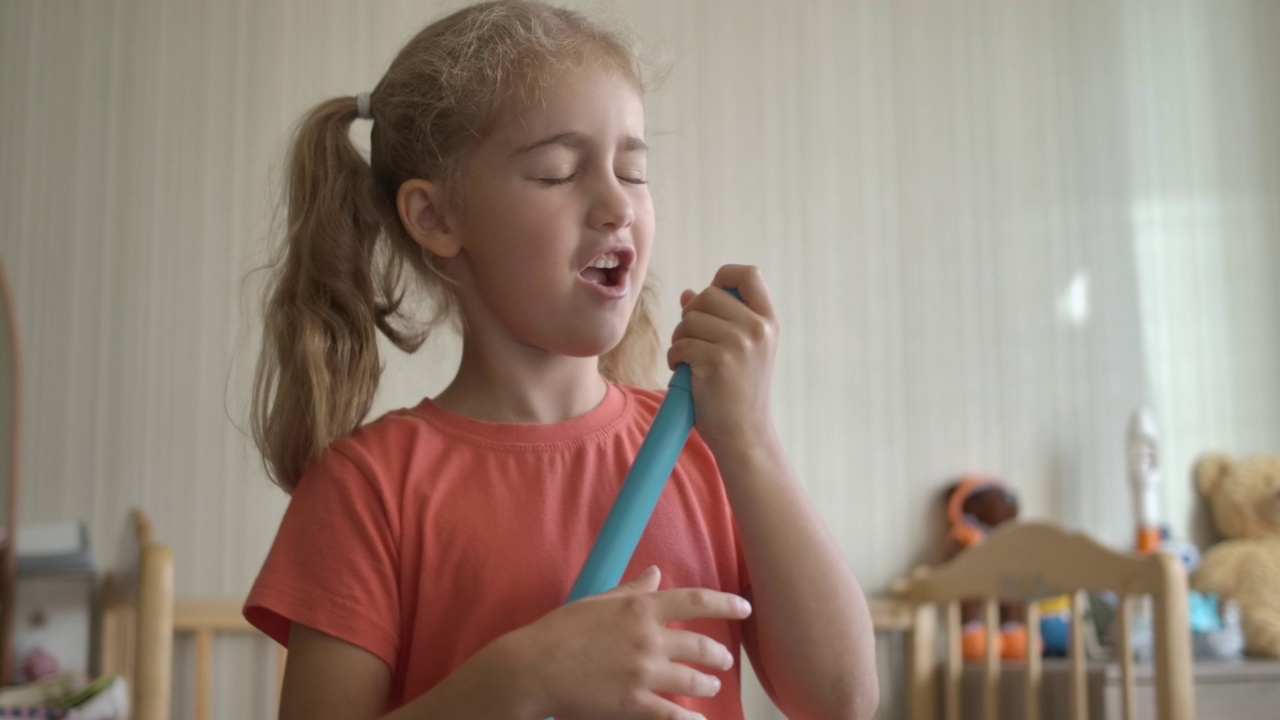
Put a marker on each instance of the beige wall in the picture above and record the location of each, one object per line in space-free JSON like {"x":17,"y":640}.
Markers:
{"x":992,"y":230}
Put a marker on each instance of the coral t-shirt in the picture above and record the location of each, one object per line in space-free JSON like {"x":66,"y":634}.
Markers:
{"x":425,"y":535}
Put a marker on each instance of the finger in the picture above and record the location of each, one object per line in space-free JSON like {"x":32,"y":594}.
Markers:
{"x":716,"y":301}
{"x":646,"y":581}
{"x":687,"y":646}
{"x":749,"y":282}
{"x":657,"y":707}
{"x":693,"y":603}
{"x":686,"y":296}
{"x":696,"y":353}
{"x":703,"y":326}
{"x":751,"y":326}
{"x":675,"y":679}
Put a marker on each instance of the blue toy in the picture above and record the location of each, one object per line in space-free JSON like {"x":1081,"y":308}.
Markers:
{"x":1055,"y":625}
{"x":1216,"y":633}
{"x":641,"y":489}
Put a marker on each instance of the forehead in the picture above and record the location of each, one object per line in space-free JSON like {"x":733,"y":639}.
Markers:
{"x":596,"y":101}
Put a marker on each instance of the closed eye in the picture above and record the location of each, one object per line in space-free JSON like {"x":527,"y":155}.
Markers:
{"x":553,"y":181}
{"x":558,"y":181}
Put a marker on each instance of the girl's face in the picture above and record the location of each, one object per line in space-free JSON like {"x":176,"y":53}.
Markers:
{"x":558,"y":222}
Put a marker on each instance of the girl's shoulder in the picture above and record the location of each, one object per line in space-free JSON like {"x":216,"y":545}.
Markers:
{"x":401,"y":428}
{"x":383,"y":449}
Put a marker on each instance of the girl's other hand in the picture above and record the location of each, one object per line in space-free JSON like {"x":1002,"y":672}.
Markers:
{"x":729,"y":346}
{"x":607,"y":655}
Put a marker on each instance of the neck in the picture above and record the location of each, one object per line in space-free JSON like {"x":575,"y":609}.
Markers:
{"x":522,"y":385}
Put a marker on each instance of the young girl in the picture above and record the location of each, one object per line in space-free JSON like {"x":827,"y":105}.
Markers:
{"x":421,"y":567}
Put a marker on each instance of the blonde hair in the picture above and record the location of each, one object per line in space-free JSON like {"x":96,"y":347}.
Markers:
{"x":339,"y":274}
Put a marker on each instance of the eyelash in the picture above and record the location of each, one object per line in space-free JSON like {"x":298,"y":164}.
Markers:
{"x":551,"y":182}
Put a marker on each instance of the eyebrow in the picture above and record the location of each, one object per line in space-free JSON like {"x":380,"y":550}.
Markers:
{"x":576,"y":140}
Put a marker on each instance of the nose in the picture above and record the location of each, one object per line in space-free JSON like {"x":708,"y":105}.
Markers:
{"x":611,"y":206}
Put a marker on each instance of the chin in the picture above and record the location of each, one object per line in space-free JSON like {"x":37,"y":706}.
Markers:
{"x":593,"y":344}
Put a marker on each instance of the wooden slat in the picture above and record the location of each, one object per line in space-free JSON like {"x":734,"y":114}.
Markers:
{"x":890,"y":615}
{"x":1014,"y":560}
{"x":204,"y":673}
{"x":922,"y":663}
{"x":218,"y":614}
{"x":1079,"y":699}
{"x":991,"y":678}
{"x":1124,"y":630}
{"x":282,"y":659}
{"x":154,"y":653}
{"x":1175,"y":694}
{"x":1033,"y":680}
{"x":955,"y":660}
{"x":112,"y":642}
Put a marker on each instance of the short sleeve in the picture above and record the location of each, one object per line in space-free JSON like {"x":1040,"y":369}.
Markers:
{"x":334,"y":563}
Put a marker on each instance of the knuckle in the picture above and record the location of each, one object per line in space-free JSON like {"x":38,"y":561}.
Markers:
{"x":637,"y":607}
{"x":702,"y":600}
{"x":631,"y":703}
{"x":647,"y":644}
{"x":636,"y":676}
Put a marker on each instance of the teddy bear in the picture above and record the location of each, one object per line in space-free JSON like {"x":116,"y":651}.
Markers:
{"x":975,"y":505}
{"x":1244,"y":500}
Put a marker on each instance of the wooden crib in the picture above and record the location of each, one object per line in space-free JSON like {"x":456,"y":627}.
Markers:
{"x":141,"y":617}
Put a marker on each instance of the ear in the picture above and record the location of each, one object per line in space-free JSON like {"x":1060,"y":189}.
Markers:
{"x":422,"y":209}
{"x":1211,"y":471}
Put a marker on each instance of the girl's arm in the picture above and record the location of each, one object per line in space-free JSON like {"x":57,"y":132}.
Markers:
{"x":609,"y":655}
{"x":328,"y":678}
{"x":810,"y":639}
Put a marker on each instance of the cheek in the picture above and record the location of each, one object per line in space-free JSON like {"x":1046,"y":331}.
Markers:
{"x":510,"y":231}
{"x":643,"y":229}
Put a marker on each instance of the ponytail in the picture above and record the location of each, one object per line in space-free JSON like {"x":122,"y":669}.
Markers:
{"x":332,"y":289}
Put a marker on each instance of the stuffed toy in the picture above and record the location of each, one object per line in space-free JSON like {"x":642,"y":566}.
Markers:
{"x":975,"y":506}
{"x":1244,"y":500}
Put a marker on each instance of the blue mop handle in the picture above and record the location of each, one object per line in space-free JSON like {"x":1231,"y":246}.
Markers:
{"x":641,"y":489}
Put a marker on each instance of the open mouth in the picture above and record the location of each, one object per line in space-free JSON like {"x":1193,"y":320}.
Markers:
{"x":608,"y":268}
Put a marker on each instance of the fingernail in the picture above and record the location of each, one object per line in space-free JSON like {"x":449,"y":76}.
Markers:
{"x":649,"y":571}
{"x":715,"y":684}
{"x":744,"y":606}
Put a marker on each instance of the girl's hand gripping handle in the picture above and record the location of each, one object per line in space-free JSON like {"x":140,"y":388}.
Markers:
{"x":641,"y":489}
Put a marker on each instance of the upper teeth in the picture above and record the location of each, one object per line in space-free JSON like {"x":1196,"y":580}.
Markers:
{"x":606,"y":261}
